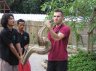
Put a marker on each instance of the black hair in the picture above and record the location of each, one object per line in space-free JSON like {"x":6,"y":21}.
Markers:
{"x":4,"y":19}
{"x":20,"y":20}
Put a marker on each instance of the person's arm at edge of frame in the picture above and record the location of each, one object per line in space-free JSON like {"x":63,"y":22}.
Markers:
{"x":27,"y":42}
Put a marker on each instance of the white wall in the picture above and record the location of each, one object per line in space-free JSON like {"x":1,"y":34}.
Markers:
{"x":26,"y":17}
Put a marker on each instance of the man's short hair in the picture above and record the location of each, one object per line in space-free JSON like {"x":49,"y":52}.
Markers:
{"x":59,"y":10}
{"x":20,"y":20}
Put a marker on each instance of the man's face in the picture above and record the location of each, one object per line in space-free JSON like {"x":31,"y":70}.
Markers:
{"x":58,"y":17}
{"x":11,"y":21}
{"x":21,"y":25}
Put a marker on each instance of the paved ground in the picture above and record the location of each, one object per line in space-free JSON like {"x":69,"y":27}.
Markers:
{"x":35,"y":61}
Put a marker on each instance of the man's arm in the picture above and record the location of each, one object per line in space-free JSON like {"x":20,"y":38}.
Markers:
{"x":55,"y":36}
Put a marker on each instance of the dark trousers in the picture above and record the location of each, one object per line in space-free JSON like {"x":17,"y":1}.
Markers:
{"x":57,"y":65}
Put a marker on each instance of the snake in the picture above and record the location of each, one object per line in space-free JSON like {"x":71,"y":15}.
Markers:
{"x":43,"y":48}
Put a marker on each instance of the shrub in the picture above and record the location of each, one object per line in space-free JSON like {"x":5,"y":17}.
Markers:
{"x":82,"y":61}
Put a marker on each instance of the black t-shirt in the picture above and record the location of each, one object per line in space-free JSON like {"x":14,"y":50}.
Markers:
{"x":24,"y":39}
{"x":8,"y":37}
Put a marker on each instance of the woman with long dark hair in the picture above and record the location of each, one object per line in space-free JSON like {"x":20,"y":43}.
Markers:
{"x":10,"y":49}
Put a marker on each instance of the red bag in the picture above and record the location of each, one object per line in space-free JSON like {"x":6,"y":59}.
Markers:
{"x":25,"y":67}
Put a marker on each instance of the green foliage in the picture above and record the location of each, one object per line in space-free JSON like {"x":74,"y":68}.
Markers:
{"x":9,"y":2}
{"x":76,"y":28}
{"x":93,"y":24}
{"x":51,"y":5}
{"x":93,"y":39}
{"x":26,"y":6}
{"x":82,"y":61}
{"x":70,"y":7}
{"x":31,"y":6}
{"x":76,"y":8}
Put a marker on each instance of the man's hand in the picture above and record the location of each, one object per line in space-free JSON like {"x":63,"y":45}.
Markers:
{"x":48,"y":24}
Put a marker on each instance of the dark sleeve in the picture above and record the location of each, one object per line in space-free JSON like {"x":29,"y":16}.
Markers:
{"x":17,"y":36}
{"x":6,"y":37}
{"x":28,"y":39}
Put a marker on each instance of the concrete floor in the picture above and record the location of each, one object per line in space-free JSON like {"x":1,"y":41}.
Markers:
{"x":35,"y":62}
